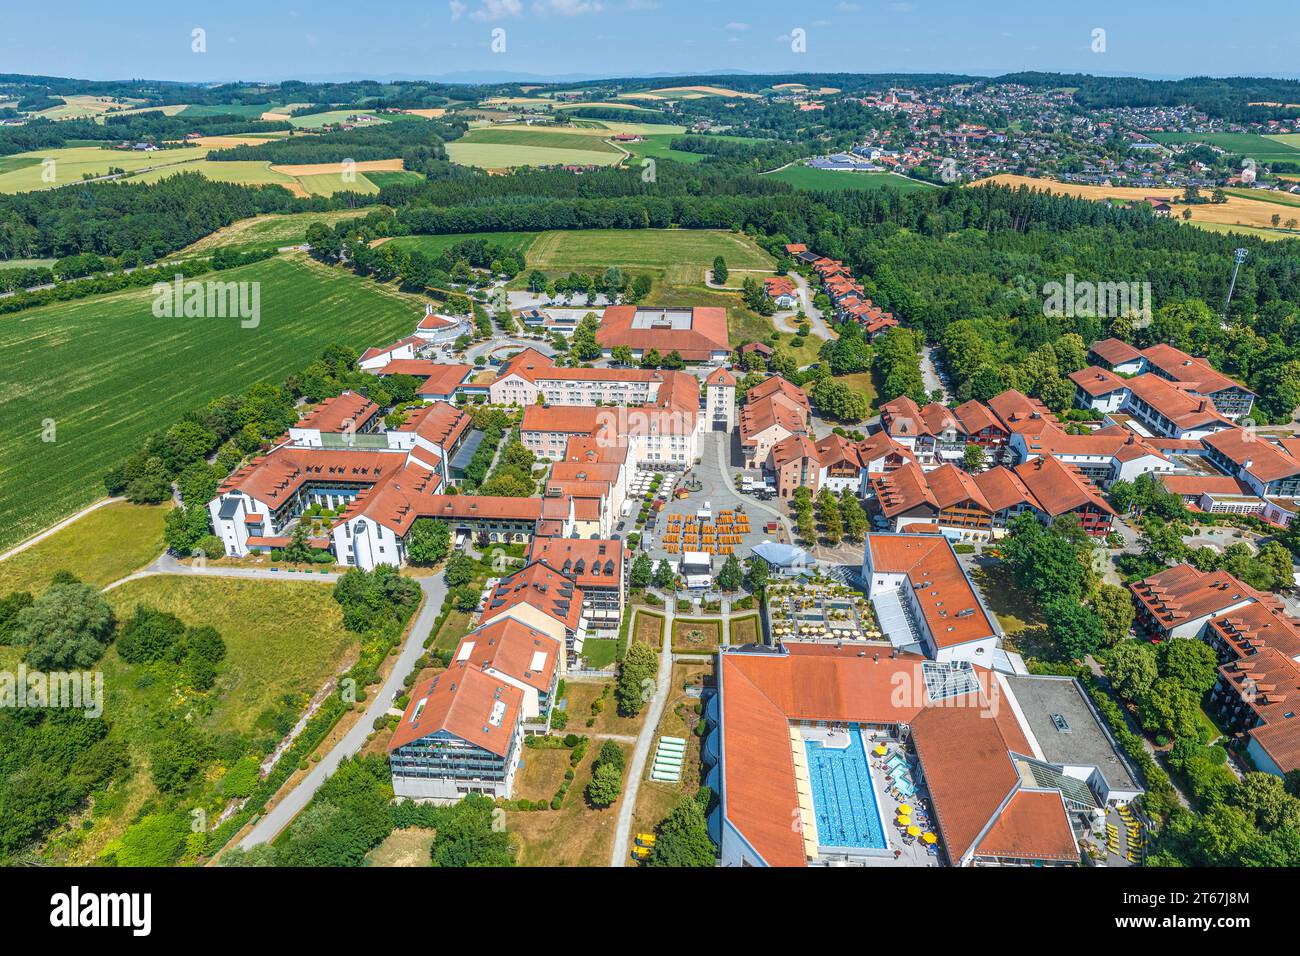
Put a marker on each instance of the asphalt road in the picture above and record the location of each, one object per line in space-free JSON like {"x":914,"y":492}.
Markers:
{"x":435,"y":589}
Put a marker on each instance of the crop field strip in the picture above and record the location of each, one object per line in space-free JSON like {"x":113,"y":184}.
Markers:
{"x":107,"y":373}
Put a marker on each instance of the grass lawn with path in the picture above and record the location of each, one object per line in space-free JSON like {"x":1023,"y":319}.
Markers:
{"x":695,"y":636}
{"x":107,"y":544}
{"x":655,"y":799}
{"x":746,"y":630}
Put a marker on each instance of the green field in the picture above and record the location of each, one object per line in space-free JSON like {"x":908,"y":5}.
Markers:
{"x":1262,"y":149}
{"x":659,"y":146}
{"x":249,"y":110}
{"x":100,"y":547}
{"x":1265,"y":195}
{"x":269,"y":232}
{"x":106,"y":372}
{"x":400,"y":177}
{"x":805,"y":177}
{"x":317,"y":120}
{"x":673,"y":257}
{"x":22,"y":172}
{"x":281,"y":638}
{"x":327,"y":184}
{"x":25,"y":263}
{"x":500,"y":147}
{"x":243,"y":172}
{"x":434,"y":245}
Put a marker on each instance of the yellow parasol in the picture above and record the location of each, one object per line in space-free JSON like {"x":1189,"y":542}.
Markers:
{"x":904,"y":821}
{"x":914,"y":831}
{"x":929,"y":838}
{"x":904,"y":810}
{"x":880,"y":750}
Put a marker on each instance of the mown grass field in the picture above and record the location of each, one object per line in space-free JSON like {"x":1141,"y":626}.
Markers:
{"x":22,"y":171}
{"x":317,"y":120}
{"x":399,"y":177}
{"x":659,"y":146}
{"x":281,"y":637}
{"x":106,"y":372}
{"x":101,"y":547}
{"x":672,"y":257}
{"x":805,"y":177}
{"x":434,"y":245}
{"x":244,"y":173}
{"x":1262,"y":149}
{"x":267,"y":232}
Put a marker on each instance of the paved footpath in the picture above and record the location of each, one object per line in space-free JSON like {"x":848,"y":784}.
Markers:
{"x":640,"y":753}
{"x":280,"y":816}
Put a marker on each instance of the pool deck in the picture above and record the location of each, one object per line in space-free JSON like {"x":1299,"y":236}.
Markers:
{"x":901,"y":850}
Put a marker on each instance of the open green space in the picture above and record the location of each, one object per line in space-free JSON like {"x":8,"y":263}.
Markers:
{"x":1262,"y":149}
{"x":26,"y":172}
{"x":101,"y":547}
{"x":435,"y":245}
{"x":805,"y":177}
{"x":659,"y":146}
{"x":104,"y":372}
{"x":270,"y":231}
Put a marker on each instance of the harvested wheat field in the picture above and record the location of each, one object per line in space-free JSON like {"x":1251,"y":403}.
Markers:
{"x":1237,"y":211}
{"x":330,"y":169}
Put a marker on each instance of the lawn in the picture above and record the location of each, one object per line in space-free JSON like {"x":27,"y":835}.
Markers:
{"x":862,"y":382}
{"x":805,"y":177}
{"x":578,"y":698}
{"x":497,"y":155}
{"x":539,"y":138}
{"x":100,"y":547}
{"x":408,"y":847}
{"x":268,"y":232}
{"x":656,"y":799}
{"x":107,"y":373}
{"x":648,"y":628}
{"x":672,"y":257}
{"x":658,"y":145}
{"x":327,"y":184}
{"x":746,"y":630}
{"x":696,"y":637}
{"x":23,"y":172}
{"x":1266,"y":195}
{"x":399,"y":177}
{"x":574,"y":835}
{"x":599,"y":652}
{"x":1012,"y":607}
{"x":435,"y":245}
{"x":317,"y":120}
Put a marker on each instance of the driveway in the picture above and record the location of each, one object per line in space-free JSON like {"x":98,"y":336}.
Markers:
{"x":820,"y":328}
{"x":435,"y":589}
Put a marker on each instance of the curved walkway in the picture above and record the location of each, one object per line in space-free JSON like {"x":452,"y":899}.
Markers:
{"x":283,"y":813}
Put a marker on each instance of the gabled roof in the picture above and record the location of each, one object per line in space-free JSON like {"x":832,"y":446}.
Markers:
{"x":1058,"y":488}
{"x":720,"y":376}
{"x":1012,"y":406}
{"x":1194,"y":370}
{"x":514,"y":649}
{"x":1175,"y":403}
{"x":589,"y":562}
{"x":444,"y":379}
{"x":1257,"y":456}
{"x":462,"y":701}
{"x":1115,"y":351}
{"x":707,"y":332}
{"x":336,"y":414}
{"x":902,"y":490}
{"x":538,"y":586}
{"x":440,"y":424}
{"x":774,"y":385}
{"x":1097,"y":381}
{"x":950,"y":486}
{"x":1183,"y":593}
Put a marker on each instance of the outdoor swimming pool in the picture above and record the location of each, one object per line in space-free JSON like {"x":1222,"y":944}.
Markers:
{"x":843,"y":802}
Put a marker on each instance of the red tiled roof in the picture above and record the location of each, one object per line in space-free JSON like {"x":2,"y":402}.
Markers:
{"x":1194,"y":370}
{"x":444,"y":379}
{"x":512,"y":648}
{"x":1268,"y":462}
{"x":337,"y":413}
{"x":542,"y":588}
{"x":460,"y":700}
{"x":707,"y":334}
{"x":1097,"y":381}
{"x":1174,"y":403}
{"x":1115,"y":351}
{"x":720,"y":376}
{"x":1058,"y":488}
{"x":941,"y":586}
{"x":590,"y":562}
{"x":1033,"y":826}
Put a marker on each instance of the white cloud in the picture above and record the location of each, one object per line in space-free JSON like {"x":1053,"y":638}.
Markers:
{"x":736,"y":26}
{"x":457,"y":9}
{"x":567,"y":8}
{"x":498,"y":9}
{"x":901,"y":7}
{"x":848,"y":8}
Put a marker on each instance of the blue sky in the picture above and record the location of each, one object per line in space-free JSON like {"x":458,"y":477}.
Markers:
{"x":280,"y":39}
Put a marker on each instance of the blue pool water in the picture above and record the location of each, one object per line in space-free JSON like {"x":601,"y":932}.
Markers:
{"x":843,"y":803}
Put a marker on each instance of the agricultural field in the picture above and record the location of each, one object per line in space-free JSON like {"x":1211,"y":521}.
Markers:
{"x":281,"y":637}
{"x":244,"y":173}
{"x":100,"y":547}
{"x":1262,"y":149}
{"x":659,"y":146}
{"x":103,"y":400}
{"x":805,"y":177}
{"x":245,"y":110}
{"x":1237,"y":211}
{"x":26,"y":263}
{"x":266,"y":232}
{"x":688,"y":93}
{"x":22,"y":172}
{"x":327,"y":184}
{"x":502,"y":147}
{"x":317,"y":120}
{"x":401,"y":177}
{"x":84,"y":107}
